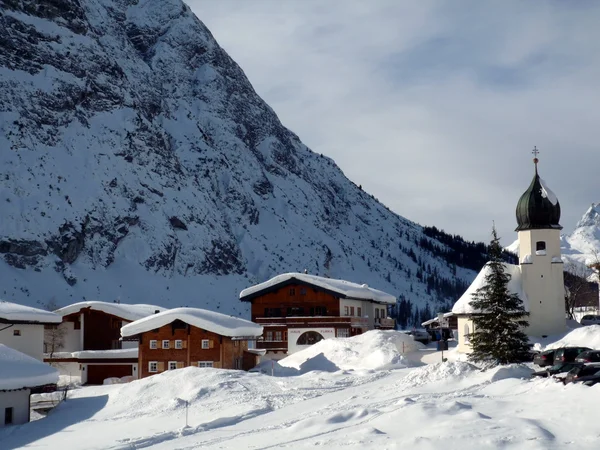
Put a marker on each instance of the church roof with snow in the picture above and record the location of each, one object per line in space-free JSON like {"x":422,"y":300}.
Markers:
{"x":122,"y":310}
{"x":343,"y":288}
{"x":515,"y":286}
{"x":215,"y":322}
{"x":15,"y":313}
{"x":538,"y":207}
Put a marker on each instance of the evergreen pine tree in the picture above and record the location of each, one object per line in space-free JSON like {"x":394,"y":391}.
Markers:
{"x":498,"y":335}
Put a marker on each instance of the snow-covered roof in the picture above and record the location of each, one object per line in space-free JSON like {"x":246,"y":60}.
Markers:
{"x":18,"y":370}
{"x":122,"y":310}
{"x":96,"y":354}
{"x":435,"y":319}
{"x":346,"y":289}
{"x":515,"y":285}
{"x":20,"y":313}
{"x":215,"y":322}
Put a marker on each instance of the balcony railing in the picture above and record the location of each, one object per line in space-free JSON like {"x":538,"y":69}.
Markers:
{"x":385,"y":323}
{"x":301,"y":320}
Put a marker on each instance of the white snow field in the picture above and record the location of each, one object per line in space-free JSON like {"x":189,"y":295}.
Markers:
{"x":451,"y":405}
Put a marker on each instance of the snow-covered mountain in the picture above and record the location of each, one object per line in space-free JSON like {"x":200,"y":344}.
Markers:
{"x":138,"y":164}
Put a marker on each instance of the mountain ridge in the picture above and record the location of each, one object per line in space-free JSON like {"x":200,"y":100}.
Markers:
{"x":141,"y":166}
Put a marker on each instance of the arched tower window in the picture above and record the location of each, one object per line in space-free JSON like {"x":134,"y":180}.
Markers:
{"x":467,"y":332}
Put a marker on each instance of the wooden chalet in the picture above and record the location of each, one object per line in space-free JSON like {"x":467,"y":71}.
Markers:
{"x":192,"y":337}
{"x":298,"y":310}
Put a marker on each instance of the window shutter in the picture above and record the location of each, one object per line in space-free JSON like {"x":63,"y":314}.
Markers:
{"x":217,"y":364}
{"x":161,"y":366}
{"x":211,"y":344}
{"x":171,"y":344}
{"x":183,"y":344}
{"x":180,"y":364}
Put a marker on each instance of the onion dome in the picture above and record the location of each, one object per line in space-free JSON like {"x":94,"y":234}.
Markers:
{"x":538,"y":207}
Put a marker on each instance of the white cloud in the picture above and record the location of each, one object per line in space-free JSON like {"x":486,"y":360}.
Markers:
{"x":432,"y":106}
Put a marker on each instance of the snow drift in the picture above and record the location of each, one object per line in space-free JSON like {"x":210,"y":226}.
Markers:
{"x":588,"y":336}
{"x":371,"y":350}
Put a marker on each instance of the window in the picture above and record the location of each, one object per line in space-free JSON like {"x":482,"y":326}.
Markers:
{"x":115,"y":324}
{"x":153,"y":366}
{"x":292,"y":291}
{"x":205,"y":363}
{"x":319,"y":311}
{"x":205,"y":344}
{"x":272,"y":312}
{"x":172,"y":365}
{"x":77,"y":325}
{"x":165,"y":344}
{"x":153,"y":344}
{"x":302,"y":291}
{"x":376,"y":313}
{"x":352,"y":310}
{"x":383,"y":313}
{"x":16,"y":332}
{"x":269,"y":336}
{"x":467,"y":333}
{"x":343,"y":332}
{"x":115,"y":344}
{"x":540,"y":245}
{"x":346,"y":310}
{"x":178,"y":344}
{"x":278,"y":335}
{"x":237,"y":363}
{"x":236,"y":343}
{"x":8,"y":416}
{"x":295,"y":311}
{"x":359,"y":311}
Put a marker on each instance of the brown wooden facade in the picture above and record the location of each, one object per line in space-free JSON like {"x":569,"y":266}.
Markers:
{"x":222,"y":351}
{"x":101,"y":331}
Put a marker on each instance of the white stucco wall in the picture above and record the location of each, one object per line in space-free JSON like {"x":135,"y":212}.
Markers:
{"x":295,"y":333}
{"x":30,"y":341}
{"x":19,"y":401}
{"x":543,"y":282}
{"x":463,"y":344}
{"x":367,"y":311}
{"x":71,"y":338}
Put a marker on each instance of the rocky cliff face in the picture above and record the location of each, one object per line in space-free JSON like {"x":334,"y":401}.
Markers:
{"x":137,"y":163}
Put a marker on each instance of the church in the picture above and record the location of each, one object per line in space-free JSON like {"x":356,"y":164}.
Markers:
{"x":538,"y":278}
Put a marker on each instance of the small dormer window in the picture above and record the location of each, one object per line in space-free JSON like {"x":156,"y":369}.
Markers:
{"x":16,"y":332}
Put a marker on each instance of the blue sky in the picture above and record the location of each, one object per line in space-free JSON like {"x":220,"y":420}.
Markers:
{"x":433,"y":106}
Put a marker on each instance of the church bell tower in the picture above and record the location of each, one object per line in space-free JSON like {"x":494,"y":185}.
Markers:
{"x":538,"y":214}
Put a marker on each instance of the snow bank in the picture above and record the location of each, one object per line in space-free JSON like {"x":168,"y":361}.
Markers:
{"x":208,"y":320}
{"x":18,"y":370}
{"x":463,"y":305}
{"x":438,"y":372}
{"x":15,"y":312}
{"x":584,"y":337}
{"x":122,"y":310}
{"x":343,"y":287}
{"x":371,"y":350}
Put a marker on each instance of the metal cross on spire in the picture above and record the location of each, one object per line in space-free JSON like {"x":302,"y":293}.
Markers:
{"x":535,"y":152}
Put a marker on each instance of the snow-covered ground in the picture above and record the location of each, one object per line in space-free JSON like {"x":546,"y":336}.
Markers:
{"x":450,"y":405}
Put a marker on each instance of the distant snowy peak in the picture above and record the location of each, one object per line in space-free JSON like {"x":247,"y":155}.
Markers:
{"x":591,"y":218}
